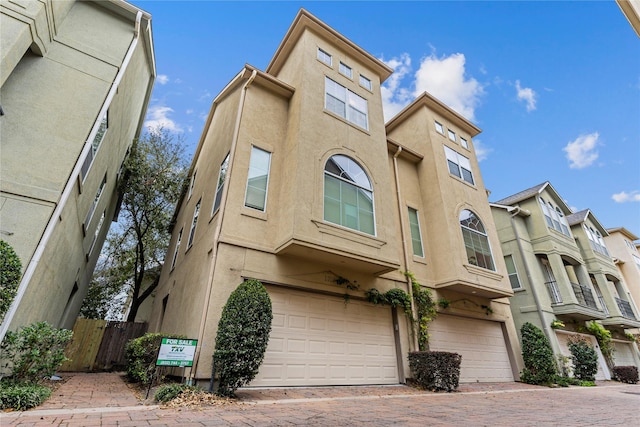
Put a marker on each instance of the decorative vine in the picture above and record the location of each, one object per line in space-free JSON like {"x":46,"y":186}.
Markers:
{"x":603,"y":336}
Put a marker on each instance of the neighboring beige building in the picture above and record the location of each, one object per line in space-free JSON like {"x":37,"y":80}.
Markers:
{"x":560,"y":269}
{"x":631,"y":10}
{"x":625,"y":251}
{"x":297,"y":182}
{"x":76,"y":78}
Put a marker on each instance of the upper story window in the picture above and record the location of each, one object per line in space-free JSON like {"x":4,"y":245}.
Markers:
{"x":94,"y":204}
{"x":452,"y":135}
{"x":348,"y":195}
{"x":636,"y":258}
{"x":464,"y":142}
{"x":192,"y":231}
{"x":192,"y":183}
{"x":346,"y":70}
{"x":439,"y":127}
{"x":346,"y":104}
{"x":554,"y":217}
{"x":222,"y":177}
{"x":459,"y":165}
{"x":258,"y":179}
{"x":324,"y":57}
{"x":175,"y":251}
{"x":416,"y":237}
{"x":596,"y":240}
{"x":95,"y":144}
{"x":513,"y":273}
{"x":365,"y":82}
{"x":476,"y":242}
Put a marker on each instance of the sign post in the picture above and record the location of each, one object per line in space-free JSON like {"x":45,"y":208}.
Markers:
{"x":176,"y":352}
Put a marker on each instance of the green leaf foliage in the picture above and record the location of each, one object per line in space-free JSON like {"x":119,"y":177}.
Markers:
{"x":584,"y":357}
{"x":34,"y":352}
{"x":540,"y":366}
{"x":243,"y":335}
{"x":10,"y":273}
{"x":168,"y":392}
{"x":141,"y":354}
{"x":603,"y":336}
{"x":22,"y":396}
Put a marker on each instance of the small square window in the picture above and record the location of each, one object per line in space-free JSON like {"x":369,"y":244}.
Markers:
{"x":365,"y":82}
{"x":464,"y":142}
{"x":346,"y":70}
{"x":440,"y":128}
{"x":452,"y":135}
{"x":324,"y":57}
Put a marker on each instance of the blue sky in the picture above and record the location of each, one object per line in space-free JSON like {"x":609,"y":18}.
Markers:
{"x":554,"y":86}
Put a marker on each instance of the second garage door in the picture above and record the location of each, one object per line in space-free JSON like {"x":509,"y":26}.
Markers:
{"x":321,"y":340}
{"x":481,"y":344}
{"x":623,"y":356}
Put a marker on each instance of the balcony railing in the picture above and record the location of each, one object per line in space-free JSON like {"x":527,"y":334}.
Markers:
{"x":584,"y":295}
{"x":625,"y":309}
{"x":554,"y":292}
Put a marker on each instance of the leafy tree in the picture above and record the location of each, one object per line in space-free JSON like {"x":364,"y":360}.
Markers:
{"x":539,"y":364}
{"x":104,"y":297}
{"x":243,"y":335}
{"x":10,"y":272}
{"x":153,"y":178}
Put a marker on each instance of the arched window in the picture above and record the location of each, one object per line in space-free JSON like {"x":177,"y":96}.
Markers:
{"x":476,"y":242}
{"x":348,"y":195}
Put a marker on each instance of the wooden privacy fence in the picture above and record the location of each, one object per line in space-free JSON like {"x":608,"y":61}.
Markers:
{"x":98,"y":345}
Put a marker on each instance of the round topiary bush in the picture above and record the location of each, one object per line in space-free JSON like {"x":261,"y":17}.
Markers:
{"x":539,"y":363}
{"x":584,"y":357}
{"x":243,"y":335}
{"x":10,"y":272}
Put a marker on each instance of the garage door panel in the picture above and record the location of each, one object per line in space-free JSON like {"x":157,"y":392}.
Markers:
{"x":563,"y":341}
{"x":320,"y":340}
{"x":623,"y":355}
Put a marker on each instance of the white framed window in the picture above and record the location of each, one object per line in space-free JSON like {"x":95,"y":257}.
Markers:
{"x":96,"y":233}
{"x":416,"y":236}
{"x":176,"y":249}
{"x":94,"y":204}
{"x":222,"y":177}
{"x":192,"y":231}
{"x":636,"y":258}
{"x":439,"y":127}
{"x":513,"y":272}
{"x":346,"y":104}
{"x":459,"y":165}
{"x":258,"y":179}
{"x":596,"y":240}
{"x":345,"y":70}
{"x":476,"y":242}
{"x":324,"y":57}
{"x":554,"y":217}
{"x":192,"y":183}
{"x":95,"y":144}
{"x":348,"y":195}
{"x":365,"y":82}
{"x":464,"y":142}
{"x":452,"y":135}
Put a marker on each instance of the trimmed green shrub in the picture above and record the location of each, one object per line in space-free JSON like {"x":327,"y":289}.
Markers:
{"x":539,"y":363}
{"x":168,"y":392}
{"x":626,"y":374}
{"x":22,"y":396}
{"x":243,"y":335}
{"x":141,"y":354}
{"x":584,"y":357}
{"x":435,"y":370}
{"x":10,"y":272}
{"x":35,"y":351}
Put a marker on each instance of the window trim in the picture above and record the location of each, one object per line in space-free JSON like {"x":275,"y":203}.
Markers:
{"x":94,"y":204}
{"x":266,"y":187}
{"x":194,"y":223}
{"x":368,"y":84}
{"x":455,"y":158}
{"x":95,"y":146}
{"x":482,"y":233}
{"x":345,"y":70}
{"x":452,"y":135}
{"x":192,"y":183}
{"x":415,"y":239}
{"x":322,"y":56}
{"x":176,"y":250}
{"x":349,"y":102}
{"x":514,"y":273}
{"x":439,"y":127}
{"x":222,"y":174}
{"x":464,"y":143}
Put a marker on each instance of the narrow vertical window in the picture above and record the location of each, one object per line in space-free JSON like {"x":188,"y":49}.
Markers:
{"x":416,"y":238}
{"x":365,"y":82}
{"x":345,"y":70}
{"x":452,"y":135}
{"x":222,"y":177}
{"x":175,"y":251}
{"x":192,"y":232}
{"x":464,"y":142}
{"x":258,"y":180}
{"x":440,"y":128}
{"x":191,"y":184}
{"x":513,"y":273}
{"x":94,"y":204}
{"x":324,"y":57}
{"x":95,"y":144}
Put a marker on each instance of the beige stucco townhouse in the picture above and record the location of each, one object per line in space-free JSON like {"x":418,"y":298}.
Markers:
{"x":298,"y":182}
{"x":560,"y":269}
{"x":75,"y":77}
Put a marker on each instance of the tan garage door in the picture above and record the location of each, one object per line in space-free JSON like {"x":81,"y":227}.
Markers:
{"x":481,"y":344}
{"x":623,"y":355}
{"x":320,"y":340}
{"x":563,"y":340}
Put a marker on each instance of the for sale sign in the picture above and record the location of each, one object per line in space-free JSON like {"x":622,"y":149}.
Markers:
{"x":176,"y":352}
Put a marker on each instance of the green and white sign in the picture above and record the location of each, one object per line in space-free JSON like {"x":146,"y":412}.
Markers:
{"x":176,"y":352}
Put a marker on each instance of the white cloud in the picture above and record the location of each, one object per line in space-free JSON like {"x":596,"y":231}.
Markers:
{"x":526,"y":94}
{"x":482,"y":151}
{"x":445,"y":79}
{"x":163,"y":79}
{"x":394,"y":97}
{"x":582,"y":152}
{"x":623,"y":197}
{"x":158,"y":116}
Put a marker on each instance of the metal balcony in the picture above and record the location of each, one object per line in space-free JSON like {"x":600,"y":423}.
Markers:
{"x":554,"y":292}
{"x":584,"y":295}
{"x":625,"y":309}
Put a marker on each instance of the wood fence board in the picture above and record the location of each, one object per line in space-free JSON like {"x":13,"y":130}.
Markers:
{"x":84,"y":346}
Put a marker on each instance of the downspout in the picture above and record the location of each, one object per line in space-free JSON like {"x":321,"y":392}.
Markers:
{"x":403,"y":232}
{"x":218,"y":229}
{"x":69,"y":187}
{"x":534,"y":292}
